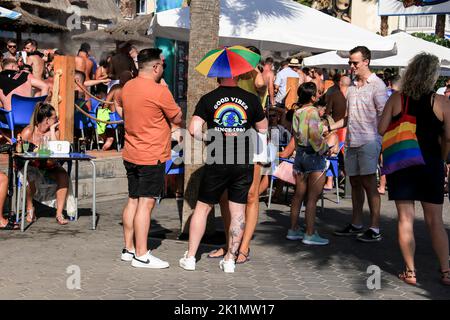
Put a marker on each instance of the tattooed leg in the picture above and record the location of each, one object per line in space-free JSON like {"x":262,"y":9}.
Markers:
{"x":236,"y":232}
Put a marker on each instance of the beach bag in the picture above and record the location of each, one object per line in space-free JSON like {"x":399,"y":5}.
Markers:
{"x":400,"y":146}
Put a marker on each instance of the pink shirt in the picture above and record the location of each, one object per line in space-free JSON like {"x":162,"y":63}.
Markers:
{"x":364,"y":108}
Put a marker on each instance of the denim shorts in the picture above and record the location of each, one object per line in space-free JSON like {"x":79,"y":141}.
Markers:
{"x":308,"y":161}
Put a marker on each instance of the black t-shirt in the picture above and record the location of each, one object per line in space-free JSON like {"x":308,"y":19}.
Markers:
{"x":230,"y":113}
{"x":11,"y":80}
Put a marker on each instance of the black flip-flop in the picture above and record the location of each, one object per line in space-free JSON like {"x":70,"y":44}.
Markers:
{"x":246,"y":256}
{"x":10,"y":226}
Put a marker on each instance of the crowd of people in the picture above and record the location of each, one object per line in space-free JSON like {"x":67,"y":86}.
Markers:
{"x":337,"y":114}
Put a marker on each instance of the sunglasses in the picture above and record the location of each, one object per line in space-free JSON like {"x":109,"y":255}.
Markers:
{"x":12,"y":46}
{"x":354,"y":63}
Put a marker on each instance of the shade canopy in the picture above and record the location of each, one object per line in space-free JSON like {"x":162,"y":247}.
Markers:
{"x":30,"y":22}
{"x":125,"y":30}
{"x":276,"y":25}
{"x":9,"y":14}
{"x":407,"y":47}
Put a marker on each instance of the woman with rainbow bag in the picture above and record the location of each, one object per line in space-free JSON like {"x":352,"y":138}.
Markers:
{"x":413,"y":123}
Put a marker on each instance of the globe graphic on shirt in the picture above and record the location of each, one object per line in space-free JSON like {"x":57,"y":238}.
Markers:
{"x":231,"y":119}
{"x":230,"y":115}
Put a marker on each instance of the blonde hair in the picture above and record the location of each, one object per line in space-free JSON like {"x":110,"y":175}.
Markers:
{"x":420,"y":76}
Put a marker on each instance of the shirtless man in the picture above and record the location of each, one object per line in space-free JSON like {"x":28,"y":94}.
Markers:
{"x":12,"y":81}
{"x":34,"y":58}
{"x":269,"y":79}
{"x":82,"y":61}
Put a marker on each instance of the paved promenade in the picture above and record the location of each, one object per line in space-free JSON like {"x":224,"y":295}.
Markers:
{"x":34,"y":264}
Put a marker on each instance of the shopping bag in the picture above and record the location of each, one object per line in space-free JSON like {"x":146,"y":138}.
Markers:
{"x":400,"y":146}
{"x":285,"y":171}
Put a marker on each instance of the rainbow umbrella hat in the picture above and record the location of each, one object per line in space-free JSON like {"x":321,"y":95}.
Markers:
{"x":228,"y":62}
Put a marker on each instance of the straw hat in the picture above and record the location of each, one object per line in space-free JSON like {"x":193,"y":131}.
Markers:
{"x":294,"y":62}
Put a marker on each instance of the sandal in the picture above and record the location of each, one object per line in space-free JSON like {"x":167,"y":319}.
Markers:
{"x":31,"y":216}
{"x":408,"y":276}
{"x":10,"y":225}
{"x":61,"y":220}
{"x":213,"y":254}
{"x":246,"y":257}
{"x":445,"y":277}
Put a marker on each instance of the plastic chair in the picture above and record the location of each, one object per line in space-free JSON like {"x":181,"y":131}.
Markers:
{"x":22,"y":109}
{"x":333,"y":170}
{"x":82,"y":122}
{"x":114,"y":116}
{"x":92,"y":123}
{"x":273,"y":178}
{"x":172,"y":166}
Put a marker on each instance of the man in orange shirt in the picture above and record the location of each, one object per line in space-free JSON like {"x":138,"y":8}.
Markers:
{"x":148,"y":110}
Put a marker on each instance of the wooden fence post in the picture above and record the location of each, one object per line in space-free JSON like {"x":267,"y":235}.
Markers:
{"x":66,"y":99}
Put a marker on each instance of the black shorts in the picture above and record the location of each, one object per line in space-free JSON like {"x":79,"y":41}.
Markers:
{"x":217,"y":178}
{"x":419,"y":183}
{"x":145,"y":181}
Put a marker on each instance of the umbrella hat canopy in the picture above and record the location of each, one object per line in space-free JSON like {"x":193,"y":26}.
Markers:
{"x":228,"y":62}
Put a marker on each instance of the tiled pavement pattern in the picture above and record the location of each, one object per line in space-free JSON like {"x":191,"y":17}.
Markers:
{"x":33,"y":264}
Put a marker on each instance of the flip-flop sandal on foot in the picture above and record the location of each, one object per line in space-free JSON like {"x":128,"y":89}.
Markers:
{"x":210,"y":255}
{"x":10,"y":226}
{"x":246,"y":256}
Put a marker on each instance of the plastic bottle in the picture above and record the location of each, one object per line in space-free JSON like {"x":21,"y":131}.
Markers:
{"x":82,"y":145}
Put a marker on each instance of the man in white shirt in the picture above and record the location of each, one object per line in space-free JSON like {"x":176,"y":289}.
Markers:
{"x":281,"y":81}
{"x":441,"y":90}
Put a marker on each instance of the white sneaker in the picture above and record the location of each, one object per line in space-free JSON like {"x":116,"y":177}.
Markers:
{"x":187,"y":263}
{"x":149,"y":261}
{"x":227,"y":266}
{"x":127,"y":255}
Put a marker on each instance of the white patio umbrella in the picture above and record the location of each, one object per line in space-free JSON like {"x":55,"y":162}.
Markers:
{"x":275,"y":25}
{"x":407,"y":47}
{"x":9,"y":14}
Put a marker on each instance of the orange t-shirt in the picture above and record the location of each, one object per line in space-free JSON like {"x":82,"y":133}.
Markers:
{"x":147,"y":108}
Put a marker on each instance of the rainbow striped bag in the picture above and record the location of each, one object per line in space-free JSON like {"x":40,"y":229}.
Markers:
{"x":400,"y":146}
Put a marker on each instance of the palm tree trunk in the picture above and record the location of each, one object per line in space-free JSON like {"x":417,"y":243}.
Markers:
{"x":440,"y":26}
{"x":384,"y":28}
{"x":204,"y":36}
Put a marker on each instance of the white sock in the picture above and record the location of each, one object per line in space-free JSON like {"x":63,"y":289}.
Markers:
{"x":357,"y":226}
{"x":376,"y":230}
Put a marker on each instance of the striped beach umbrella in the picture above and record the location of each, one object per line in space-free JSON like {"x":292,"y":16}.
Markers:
{"x":228,"y":62}
{"x":9,"y":14}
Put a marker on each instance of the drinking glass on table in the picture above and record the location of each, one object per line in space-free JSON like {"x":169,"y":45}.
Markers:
{"x":26,"y":146}
{"x":43,"y":147}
